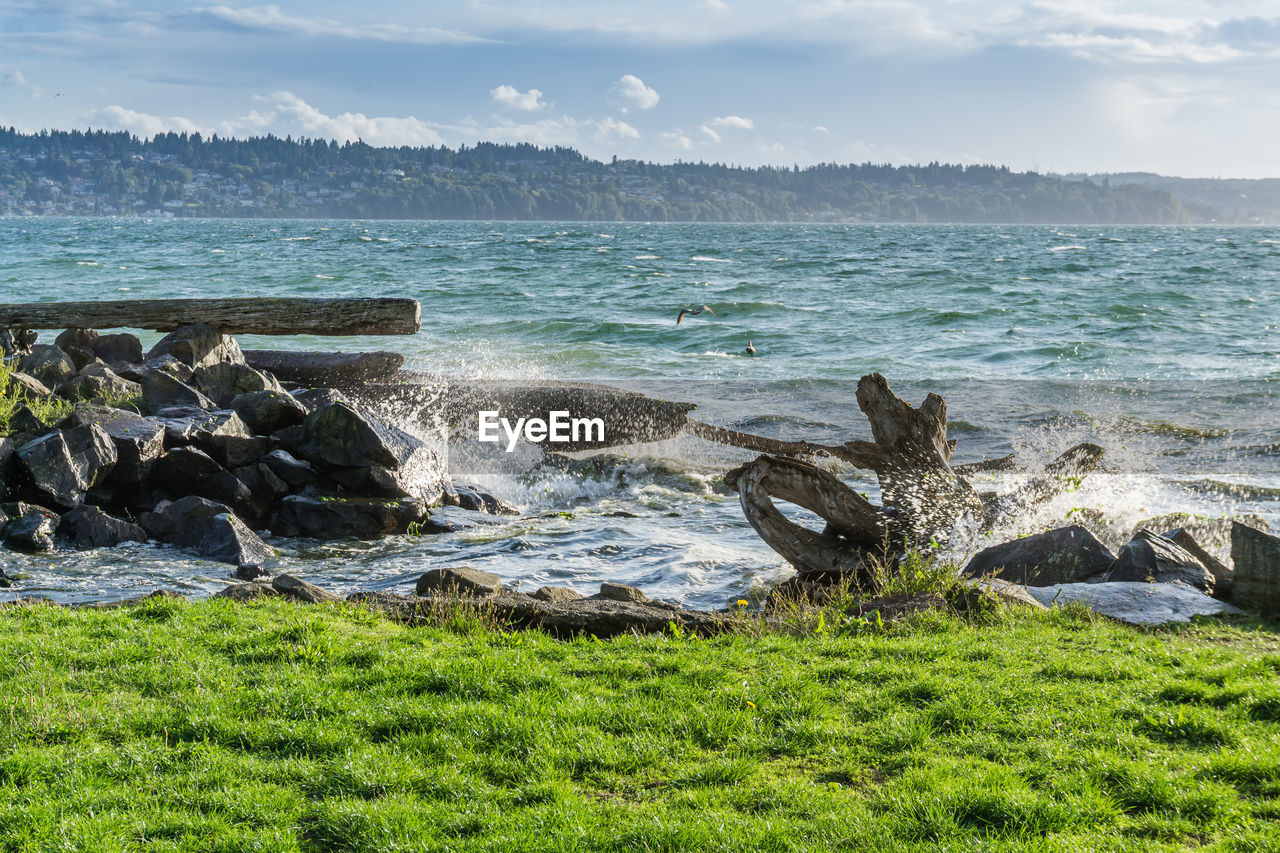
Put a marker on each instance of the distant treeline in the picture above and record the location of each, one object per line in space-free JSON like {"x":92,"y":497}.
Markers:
{"x":116,"y":173}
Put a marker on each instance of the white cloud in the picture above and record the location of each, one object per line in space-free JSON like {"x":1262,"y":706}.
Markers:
{"x":817,"y":128}
{"x":733,"y":122}
{"x":678,"y":139}
{"x":511,"y":98}
{"x":630,"y":92}
{"x":716,"y":5}
{"x":116,"y":117}
{"x":271,"y":18}
{"x":715,"y":137}
{"x":612,"y":130}
{"x":18,"y":80}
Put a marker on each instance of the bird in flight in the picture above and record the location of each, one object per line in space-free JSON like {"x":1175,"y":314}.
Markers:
{"x":694,"y":312}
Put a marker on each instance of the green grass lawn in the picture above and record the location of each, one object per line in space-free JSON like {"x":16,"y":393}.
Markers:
{"x":274,"y":726}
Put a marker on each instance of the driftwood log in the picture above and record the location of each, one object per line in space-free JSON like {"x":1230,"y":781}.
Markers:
{"x":249,"y":316}
{"x":923,"y":499}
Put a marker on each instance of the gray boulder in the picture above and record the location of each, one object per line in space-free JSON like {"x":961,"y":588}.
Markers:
{"x":101,"y":383}
{"x":331,"y":517}
{"x":208,"y":527}
{"x":1213,"y":534}
{"x":298,"y":474}
{"x":22,"y":385}
{"x":317,"y":398}
{"x":1223,"y":576}
{"x":1256,"y":556}
{"x":1135,"y":603}
{"x":78,"y":344}
{"x":65,"y":464}
{"x":1057,"y":556}
{"x":364,"y":454}
{"x":296,"y":588}
{"x":1152,"y":558}
{"x":556,"y":594}
{"x":459,"y":580}
{"x":17,"y":341}
{"x":193,"y":425}
{"x":122,"y":348}
{"x":162,"y":391}
{"x":90,"y":527}
{"x":266,"y":412}
{"x":620,"y":592}
{"x":198,"y":345}
{"x":30,"y":529}
{"x":472,"y":498}
{"x":165,"y":364}
{"x":223,"y":382}
{"x":188,"y":471}
{"x":138,"y":441}
{"x":49,"y":364}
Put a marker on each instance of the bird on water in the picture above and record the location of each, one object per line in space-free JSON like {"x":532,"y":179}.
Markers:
{"x":694,"y":312}
{"x":751,"y":348}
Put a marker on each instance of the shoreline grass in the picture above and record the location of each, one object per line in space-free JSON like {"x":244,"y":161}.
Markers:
{"x":213,"y":725}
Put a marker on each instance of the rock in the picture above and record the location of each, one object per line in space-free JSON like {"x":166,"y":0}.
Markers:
{"x":1213,"y":534}
{"x":1148,"y":557}
{"x":247,"y":592}
{"x":90,"y":527}
{"x":265,"y":487}
{"x":459,"y":580}
{"x":295,"y":587}
{"x":620,"y":592}
{"x":138,"y":441}
{"x":193,"y":425}
{"x":236,"y":451}
{"x":229,"y":540}
{"x":556,"y":594}
{"x":22,"y":385}
{"x":250,"y":572}
{"x":31,"y":529}
{"x":17,"y":341}
{"x":1058,"y":556}
{"x":365,"y":455}
{"x":298,"y":474}
{"x":63,"y":465}
{"x":1135,"y":603}
{"x":164,"y":364}
{"x":101,"y":384}
{"x":23,"y":421}
{"x":472,"y":498}
{"x":121,"y":348}
{"x":584,"y":616}
{"x":78,"y":344}
{"x":1007,"y":593}
{"x":266,"y":412}
{"x":8,"y":469}
{"x":198,"y":345}
{"x":1222,"y":574}
{"x":188,"y":471}
{"x":49,"y":364}
{"x":328,"y":517}
{"x":5,"y":581}
{"x":1256,"y":556}
{"x":208,"y":527}
{"x":161,"y":391}
{"x":317,"y":398}
{"x":223,"y":382}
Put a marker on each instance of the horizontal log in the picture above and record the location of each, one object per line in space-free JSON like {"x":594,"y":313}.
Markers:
{"x":244,"y":316}
{"x":325,"y":368}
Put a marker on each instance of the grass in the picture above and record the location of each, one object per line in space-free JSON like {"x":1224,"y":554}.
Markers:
{"x":272,"y":726}
{"x":49,"y":410}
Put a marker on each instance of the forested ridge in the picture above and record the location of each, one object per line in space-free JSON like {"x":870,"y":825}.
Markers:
{"x":175,"y":174}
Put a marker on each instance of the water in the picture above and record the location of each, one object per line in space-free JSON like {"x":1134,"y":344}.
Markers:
{"x":1162,"y":344}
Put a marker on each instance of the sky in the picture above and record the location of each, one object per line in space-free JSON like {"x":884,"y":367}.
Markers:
{"x":1179,"y":87}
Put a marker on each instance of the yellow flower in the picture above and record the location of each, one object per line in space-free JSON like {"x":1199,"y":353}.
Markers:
{"x":742,"y":602}
{"x":751,"y":705}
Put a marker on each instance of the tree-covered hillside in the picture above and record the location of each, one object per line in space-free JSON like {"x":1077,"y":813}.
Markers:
{"x":118,"y":174}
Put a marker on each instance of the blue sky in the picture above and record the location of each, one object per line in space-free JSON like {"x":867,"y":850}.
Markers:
{"x":1183,"y":87}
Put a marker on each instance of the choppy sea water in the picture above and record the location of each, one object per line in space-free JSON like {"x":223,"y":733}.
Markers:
{"x":1161,"y":344}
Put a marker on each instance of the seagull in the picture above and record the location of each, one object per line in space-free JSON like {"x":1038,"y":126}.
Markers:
{"x":694,"y":312}
{"x":751,"y":349}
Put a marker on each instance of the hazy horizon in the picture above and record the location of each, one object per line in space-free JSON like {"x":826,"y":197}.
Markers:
{"x":1175,"y":88}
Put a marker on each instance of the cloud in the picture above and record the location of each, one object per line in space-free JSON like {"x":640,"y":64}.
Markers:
{"x":116,"y":117}
{"x":715,"y":5}
{"x":17,"y":79}
{"x":817,"y":128}
{"x":678,"y":139}
{"x":733,"y":123}
{"x":511,"y":98}
{"x":715,"y":137}
{"x":272,"y":19}
{"x":630,"y":92}
{"x":612,"y":130}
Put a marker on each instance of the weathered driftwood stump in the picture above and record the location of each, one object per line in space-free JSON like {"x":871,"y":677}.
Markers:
{"x":923,"y":499}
